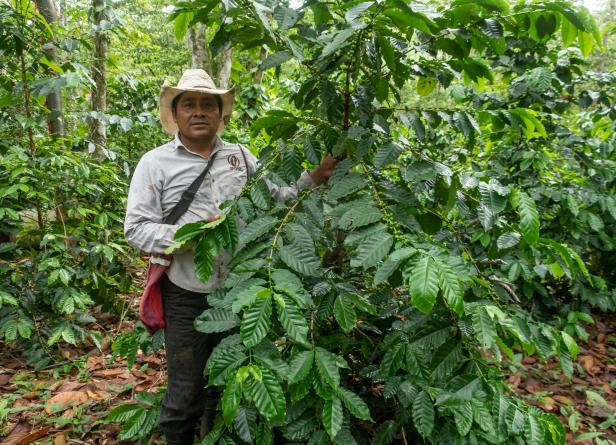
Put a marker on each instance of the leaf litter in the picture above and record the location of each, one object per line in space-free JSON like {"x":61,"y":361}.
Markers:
{"x":586,"y":404}
{"x":68,"y":401}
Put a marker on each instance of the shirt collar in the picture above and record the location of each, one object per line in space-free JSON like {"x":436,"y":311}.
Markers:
{"x":177,"y":143}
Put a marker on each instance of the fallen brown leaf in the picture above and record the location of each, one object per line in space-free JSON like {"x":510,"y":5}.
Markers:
{"x":113,"y":372}
{"x":30,"y":395}
{"x":5,"y":379}
{"x":22,"y":435}
{"x":563,"y":399}
{"x":514,"y":380}
{"x":70,"y":386}
{"x":601,"y":337}
{"x":533,"y":389}
{"x":93,"y":363}
{"x":64,"y":400}
{"x":59,"y":439}
{"x":140,"y":374}
{"x":587,"y":362}
{"x":37,"y":434}
{"x":66,"y":353}
{"x":21,"y":402}
{"x":154,"y":361}
{"x":14,"y":364}
{"x":99,"y":385}
{"x":20,"y":430}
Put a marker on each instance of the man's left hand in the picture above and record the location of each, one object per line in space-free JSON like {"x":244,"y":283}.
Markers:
{"x":322,"y":173}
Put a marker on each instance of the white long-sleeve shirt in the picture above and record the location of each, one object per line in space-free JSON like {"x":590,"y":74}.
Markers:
{"x":160,"y":178}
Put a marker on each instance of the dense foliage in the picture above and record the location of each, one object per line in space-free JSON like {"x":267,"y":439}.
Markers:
{"x":426,"y":259}
{"x":470,"y":218}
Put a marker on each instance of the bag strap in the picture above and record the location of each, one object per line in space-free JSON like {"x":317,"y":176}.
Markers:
{"x":189,"y":194}
{"x":248,"y":174}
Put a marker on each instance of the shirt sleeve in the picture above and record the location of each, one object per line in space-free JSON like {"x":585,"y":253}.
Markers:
{"x":281,"y":193}
{"x":143,"y":226}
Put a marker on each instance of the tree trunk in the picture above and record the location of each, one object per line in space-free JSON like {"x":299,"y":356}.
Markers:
{"x":256,"y":84}
{"x":99,"y":75}
{"x":611,"y":13}
{"x":259,"y":73}
{"x":224,"y":73}
{"x":200,"y":53}
{"x":55,"y":121}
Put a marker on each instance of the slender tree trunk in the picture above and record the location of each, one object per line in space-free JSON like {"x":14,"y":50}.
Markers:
{"x":259,"y":73}
{"x":197,"y":42}
{"x":99,"y":75}
{"x":31,"y":143}
{"x":48,"y":10}
{"x":611,"y":13}
{"x":196,"y":50}
{"x":256,"y":82}
{"x":207,"y":56}
{"x":224,"y":73}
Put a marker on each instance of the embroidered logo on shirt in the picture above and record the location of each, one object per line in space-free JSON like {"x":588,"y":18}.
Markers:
{"x":234,"y":162}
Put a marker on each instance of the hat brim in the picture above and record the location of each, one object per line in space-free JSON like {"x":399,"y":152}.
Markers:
{"x":168,"y":93}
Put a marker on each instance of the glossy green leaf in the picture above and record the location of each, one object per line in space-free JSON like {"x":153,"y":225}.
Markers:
{"x":231,"y":397}
{"x":267,"y":395}
{"x":327,"y":367}
{"x":248,"y":296}
{"x":423,"y":279}
{"x":386,"y":154}
{"x":275,"y":60}
{"x":463,"y":417}
{"x":392,"y":263}
{"x":507,"y":240}
{"x":300,"y":366}
{"x":256,"y":322}
{"x":529,"y":216}
{"x":345,"y":313}
{"x":347,"y":185}
{"x":339,"y":40}
{"x":354,"y":404}
{"x":292,"y":319}
{"x":423,"y":414}
{"x":216,"y":320}
{"x":332,"y":416}
{"x":450,"y":286}
{"x":372,"y":250}
{"x":257,"y":228}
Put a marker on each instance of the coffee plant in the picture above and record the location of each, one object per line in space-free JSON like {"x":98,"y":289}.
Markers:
{"x":472,"y":201}
{"x":61,"y":250}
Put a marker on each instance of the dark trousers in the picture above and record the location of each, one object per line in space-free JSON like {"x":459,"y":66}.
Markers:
{"x":187,"y":351}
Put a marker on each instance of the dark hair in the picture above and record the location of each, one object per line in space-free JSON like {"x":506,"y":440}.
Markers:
{"x":176,"y":99}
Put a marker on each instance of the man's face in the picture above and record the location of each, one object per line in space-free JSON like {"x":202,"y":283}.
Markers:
{"x":197,"y":116}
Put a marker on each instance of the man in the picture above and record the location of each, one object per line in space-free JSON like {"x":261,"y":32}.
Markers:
{"x":195,"y":112}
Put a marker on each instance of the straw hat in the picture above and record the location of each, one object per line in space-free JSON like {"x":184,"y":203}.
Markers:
{"x":192,"y":80}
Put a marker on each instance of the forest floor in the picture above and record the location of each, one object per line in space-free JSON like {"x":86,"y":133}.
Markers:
{"x":67,"y":402}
